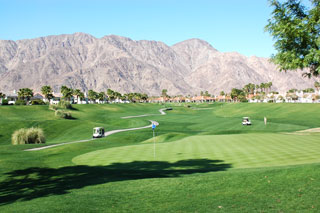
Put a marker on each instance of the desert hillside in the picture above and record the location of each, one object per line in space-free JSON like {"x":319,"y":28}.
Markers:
{"x":82,"y":61}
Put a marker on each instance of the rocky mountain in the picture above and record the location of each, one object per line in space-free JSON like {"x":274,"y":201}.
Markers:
{"x":82,"y":61}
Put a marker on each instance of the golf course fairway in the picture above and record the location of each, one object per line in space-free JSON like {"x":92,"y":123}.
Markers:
{"x":241,"y":151}
{"x":201,"y":159}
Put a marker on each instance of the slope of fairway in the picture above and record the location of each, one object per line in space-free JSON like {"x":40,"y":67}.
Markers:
{"x":241,"y":151}
{"x":203,"y":162}
{"x":85,"y":117}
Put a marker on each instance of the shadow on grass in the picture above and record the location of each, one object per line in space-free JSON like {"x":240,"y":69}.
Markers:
{"x":31,"y":183}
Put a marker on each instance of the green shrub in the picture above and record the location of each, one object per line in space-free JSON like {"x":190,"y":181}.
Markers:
{"x":63,"y":114}
{"x":65,"y":105}
{"x":19,"y":137}
{"x":37,"y":102}
{"x":5,"y":102}
{"x":35,"y":135}
{"x":20,"y":102}
{"x":28,"y":136}
{"x":53,"y":107}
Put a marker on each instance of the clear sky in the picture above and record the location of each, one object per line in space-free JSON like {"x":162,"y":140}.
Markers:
{"x":228,"y":25}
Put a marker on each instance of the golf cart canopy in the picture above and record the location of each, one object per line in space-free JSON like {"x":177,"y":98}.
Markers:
{"x":98,"y":132}
{"x":246,"y":121}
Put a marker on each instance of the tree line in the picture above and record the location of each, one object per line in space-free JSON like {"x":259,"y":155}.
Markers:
{"x":25,"y":94}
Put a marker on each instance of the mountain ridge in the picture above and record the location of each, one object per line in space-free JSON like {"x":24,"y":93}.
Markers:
{"x":83,"y":61}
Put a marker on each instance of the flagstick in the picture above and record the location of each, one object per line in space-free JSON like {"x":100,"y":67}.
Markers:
{"x":154,"y":146}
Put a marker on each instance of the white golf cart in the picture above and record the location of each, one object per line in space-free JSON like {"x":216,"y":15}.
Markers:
{"x":98,"y":132}
{"x":246,"y":121}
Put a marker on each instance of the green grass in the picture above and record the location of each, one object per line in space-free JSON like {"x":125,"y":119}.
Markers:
{"x":206,"y":161}
{"x":240,"y":151}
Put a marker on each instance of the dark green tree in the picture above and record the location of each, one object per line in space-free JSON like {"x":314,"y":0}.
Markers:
{"x":101,"y":96}
{"x":47,"y":92}
{"x":164,"y":93}
{"x":25,"y":94}
{"x":206,"y":93}
{"x":78,"y":94}
{"x":308,"y":90}
{"x":238,"y":95}
{"x":66,"y":92}
{"x":144,"y":97}
{"x":317,"y":85}
{"x":295,"y":30}
{"x":92,"y":95}
{"x":257,"y":87}
{"x":111,"y":94}
{"x":2,"y":95}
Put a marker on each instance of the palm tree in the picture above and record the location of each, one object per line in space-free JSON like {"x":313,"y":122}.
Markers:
{"x":317,"y":85}
{"x":144,"y":97}
{"x":269,"y":85}
{"x":257,"y":87}
{"x":110,"y":94}
{"x":78,"y":94}
{"x":129,"y":97}
{"x":137,"y":97}
{"x":47,"y":92}
{"x":81,"y":96}
{"x":246,"y":88}
{"x":25,"y":94}
{"x":101,"y":96}
{"x":262,"y":87}
{"x":116,"y":95}
{"x":252,"y":88}
{"x":92,"y":95}
{"x":66,"y":92}
{"x":2,"y":95}
{"x":164,"y":93}
{"x":63,"y":88}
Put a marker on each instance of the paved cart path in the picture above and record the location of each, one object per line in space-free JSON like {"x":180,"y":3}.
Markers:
{"x":106,"y":133}
{"x":138,"y":116}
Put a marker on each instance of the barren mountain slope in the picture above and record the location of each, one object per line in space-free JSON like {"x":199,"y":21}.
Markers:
{"x":82,"y":61}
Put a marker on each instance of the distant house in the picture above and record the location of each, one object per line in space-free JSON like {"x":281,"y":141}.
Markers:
{"x":224,"y":98}
{"x":12,"y":97}
{"x":56,"y":98}
{"x":158,"y":100}
{"x":179,"y":100}
{"x":203,"y":99}
{"x":38,"y":96}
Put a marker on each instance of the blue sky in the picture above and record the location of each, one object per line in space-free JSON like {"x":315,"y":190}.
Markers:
{"x":228,"y":25}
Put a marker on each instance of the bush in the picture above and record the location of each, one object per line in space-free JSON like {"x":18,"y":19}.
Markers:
{"x":53,"y":107}
{"x":20,"y":102}
{"x":5,"y":102}
{"x":28,"y":136}
{"x":65,"y":105}
{"x":37,"y":102}
{"x":63,"y":114}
